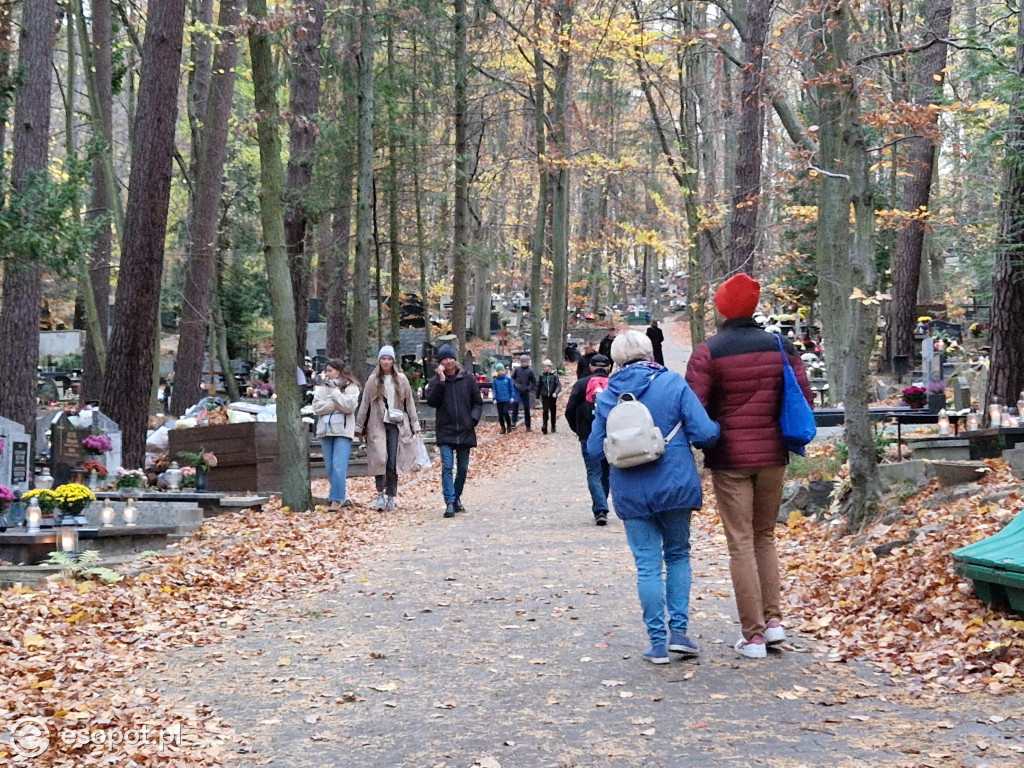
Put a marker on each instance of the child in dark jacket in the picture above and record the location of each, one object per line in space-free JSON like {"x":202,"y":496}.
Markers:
{"x":504,"y":396}
{"x":548,"y":388}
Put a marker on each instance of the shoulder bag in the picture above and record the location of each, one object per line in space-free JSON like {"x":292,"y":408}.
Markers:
{"x":796,"y":418}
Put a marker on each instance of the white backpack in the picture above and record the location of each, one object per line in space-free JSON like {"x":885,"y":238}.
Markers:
{"x":632,"y":437}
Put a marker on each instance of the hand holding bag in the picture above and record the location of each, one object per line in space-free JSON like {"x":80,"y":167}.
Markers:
{"x":796,"y":419}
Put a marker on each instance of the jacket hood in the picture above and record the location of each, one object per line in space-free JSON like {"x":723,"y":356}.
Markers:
{"x":635,"y":378}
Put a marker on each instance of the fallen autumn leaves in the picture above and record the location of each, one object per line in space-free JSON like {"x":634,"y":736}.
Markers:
{"x":68,"y":651}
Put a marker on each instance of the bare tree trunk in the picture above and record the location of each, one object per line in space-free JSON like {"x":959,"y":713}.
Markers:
{"x":364,"y":184}
{"x":846,"y":263}
{"x":22,"y":286}
{"x":292,"y":435}
{"x":198,"y":299}
{"x":543,"y":187}
{"x":126,"y":396}
{"x":460,"y":213}
{"x":906,"y":259}
{"x":746,"y":194}
{"x":1006,"y":370}
{"x":304,"y":108}
{"x":560,"y":198}
{"x":394,"y":253}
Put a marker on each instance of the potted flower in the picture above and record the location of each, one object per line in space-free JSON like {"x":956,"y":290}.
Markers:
{"x":202,"y":461}
{"x":72,"y":498}
{"x":45,"y":498}
{"x":97,"y":444}
{"x":130,"y":482}
{"x":915,"y":397}
{"x":96,"y":472}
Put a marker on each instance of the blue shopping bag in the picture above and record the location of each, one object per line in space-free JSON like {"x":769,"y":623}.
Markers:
{"x":796,"y":419}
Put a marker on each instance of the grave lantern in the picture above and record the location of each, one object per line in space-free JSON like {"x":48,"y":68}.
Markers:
{"x":33,"y":516}
{"x":943,"y":421}
{"x":130,"y":513}
{"x":44,"y":480}
{"x":69,"y":537}
{"x":107,"y":515}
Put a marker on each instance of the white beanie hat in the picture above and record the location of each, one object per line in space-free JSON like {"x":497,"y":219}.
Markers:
{"x":387,"y":350}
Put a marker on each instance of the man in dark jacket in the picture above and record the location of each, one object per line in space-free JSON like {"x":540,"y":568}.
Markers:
{"x":549,"y":387}
{"x":657,"y":337}
{"x":605,"y":347}
{"x":524,"y":379}
{"x":583,"y":363}
{"x":737,"y":374}
{"x":579,"y":412}
{"x":455,"y":397}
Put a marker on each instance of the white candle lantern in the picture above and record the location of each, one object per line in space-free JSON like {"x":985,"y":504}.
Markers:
{"x":943,"y":423}
{"x":107,"y":515}
{"x":130,"y":513}
{"x":69,"y":539}
{"x":33,"y":516}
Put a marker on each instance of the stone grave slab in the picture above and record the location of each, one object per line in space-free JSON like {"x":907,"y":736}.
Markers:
{"x":15,"y":454}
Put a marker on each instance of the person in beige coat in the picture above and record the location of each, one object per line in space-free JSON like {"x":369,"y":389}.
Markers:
{"x":334,"y":400}
{"x":387,"y":421}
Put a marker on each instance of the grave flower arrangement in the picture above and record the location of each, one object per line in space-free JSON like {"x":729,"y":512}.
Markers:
{"x":915,"y":397}
{"x":45,"y":497}
{"x":6,"y":497}
{"x":130,"y":478}
{"x":72,"y":498}
{"x":94,"y":466}
{"x":199,"y":459}
{"x":97,"y":444}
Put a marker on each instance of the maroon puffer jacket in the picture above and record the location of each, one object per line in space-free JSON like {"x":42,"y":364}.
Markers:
{"x":737,"y":374}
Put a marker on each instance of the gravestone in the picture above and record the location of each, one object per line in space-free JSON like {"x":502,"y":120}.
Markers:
{"x":961,"y":394}
{"x":14,"y":455}
{"x":67,"y":430}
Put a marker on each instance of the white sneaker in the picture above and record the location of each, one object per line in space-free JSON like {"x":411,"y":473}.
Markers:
{"x":754,"y":648}
{"x":379,"y":502}
{"x":774,"y":633}
{"x":389,"y":503}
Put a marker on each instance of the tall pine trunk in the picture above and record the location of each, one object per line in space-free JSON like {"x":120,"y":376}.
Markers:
{"x":126,"y":396}
{"x":920,"y":162}
{"x":292,"y":435}
{"x":560,"y":195}
{"x":543,"y":192}
{"x":460,"y":213}
{"x":304,"y":108}
{"x":1006,"y":371}
{"x":22,"y":286}
{"x":367,"y":37}
{"x":198,"y":298}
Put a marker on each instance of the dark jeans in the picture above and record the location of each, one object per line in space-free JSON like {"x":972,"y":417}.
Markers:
{"x":388,"y":482}
{"x":549,"y":407}
{"x":454,"y":457}
{"x":524,"y":398}
{"x":504,"y":417}
{"x":597,"y":480}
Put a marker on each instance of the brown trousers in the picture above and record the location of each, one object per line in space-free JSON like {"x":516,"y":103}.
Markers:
{"x":748,"y":504}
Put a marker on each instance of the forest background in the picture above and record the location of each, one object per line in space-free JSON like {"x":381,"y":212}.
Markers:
{"x":227,"y":162}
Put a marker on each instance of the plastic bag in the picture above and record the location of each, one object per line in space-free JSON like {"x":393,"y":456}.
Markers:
{"x":422,"y":454}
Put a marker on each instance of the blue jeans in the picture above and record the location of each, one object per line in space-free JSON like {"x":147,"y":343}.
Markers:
{"x":597,"y":480}
{"x":454,"y":457}
{"x":661,"y":550}
{"x":337,"y":451}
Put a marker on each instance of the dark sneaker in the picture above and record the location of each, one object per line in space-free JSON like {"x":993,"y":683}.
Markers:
{"x":449,"y":510}
{"x":657,"y":654}
{"x":544,"y":430}
{"x":458,"y":506}
{"x":601,"y":518}
{"x":679,"y":643}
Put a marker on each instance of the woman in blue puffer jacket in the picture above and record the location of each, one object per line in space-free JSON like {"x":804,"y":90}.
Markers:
{"x":655,"y":500}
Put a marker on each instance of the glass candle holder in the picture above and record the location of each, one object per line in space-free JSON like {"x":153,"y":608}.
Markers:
{"x":130,"y":514}
{"x":107,"y":515}
{"x":33,"y":516}
{"x":995,"y":415}
{"x":973,"y":422}
{"x":943,"y":420}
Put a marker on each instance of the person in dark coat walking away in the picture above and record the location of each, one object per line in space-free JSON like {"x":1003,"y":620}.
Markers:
{"x":504,"y":396}
{"x":657,"y":337}
{"x":737,"y":374}
{"x":525,"y":380}
{"x":455,"y":397}
{"x":656,"y":500}
{"x":579,"y":413}
{"x":583,"y":364}
{"x":605,"y":347}
{"x":549,"y":387}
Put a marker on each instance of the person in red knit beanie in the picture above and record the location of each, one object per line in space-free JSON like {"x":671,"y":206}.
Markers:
{"x":737,"y":374}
